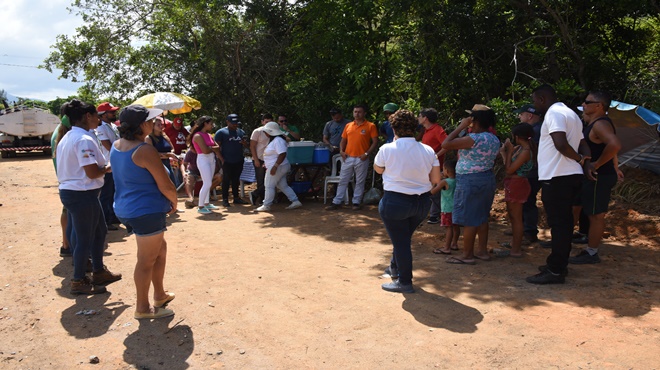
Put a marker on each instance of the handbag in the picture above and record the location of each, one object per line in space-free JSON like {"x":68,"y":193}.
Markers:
{"x":373,"y":195}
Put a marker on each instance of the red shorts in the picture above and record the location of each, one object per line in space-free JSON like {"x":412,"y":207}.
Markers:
{"x":516,"y":189}
{"x":445,"y":219}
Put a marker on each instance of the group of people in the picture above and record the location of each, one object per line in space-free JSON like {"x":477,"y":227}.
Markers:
{"x":574,"y":163}
{"x":447,"y":178}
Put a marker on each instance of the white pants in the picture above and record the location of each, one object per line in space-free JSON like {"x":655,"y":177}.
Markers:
{"x":206,"y":166}
{"x":278,"y":180}
{"x":352,"y":165}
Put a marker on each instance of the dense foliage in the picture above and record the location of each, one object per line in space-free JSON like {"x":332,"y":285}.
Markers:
{"x":302,"y":57}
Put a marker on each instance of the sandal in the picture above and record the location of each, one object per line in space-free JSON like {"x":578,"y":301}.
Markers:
{"x":483,"y":258}
{"x":440,"y":251}
{"x":500,"y":253}
{"x":164,"y":302}
{"x":458,"y":261}
{"x":454,"y":247}
{"x":157,"y":313}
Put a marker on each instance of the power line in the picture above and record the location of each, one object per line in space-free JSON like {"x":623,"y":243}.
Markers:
{"x":18,"y":65}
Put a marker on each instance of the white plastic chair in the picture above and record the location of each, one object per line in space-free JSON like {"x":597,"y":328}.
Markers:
{"x":334,"y":178}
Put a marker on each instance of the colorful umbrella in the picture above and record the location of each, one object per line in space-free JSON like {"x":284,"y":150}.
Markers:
{"x":174,"y":102}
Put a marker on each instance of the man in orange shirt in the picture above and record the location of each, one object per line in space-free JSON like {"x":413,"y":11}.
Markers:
{"x":434,"y":135}
{"x":358,"y":141}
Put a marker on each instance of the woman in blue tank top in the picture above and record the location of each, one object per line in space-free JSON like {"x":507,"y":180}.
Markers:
{"x":144,"y":195}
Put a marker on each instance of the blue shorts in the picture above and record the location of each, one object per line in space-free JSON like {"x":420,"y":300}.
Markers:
{"x":473,"y":198}
{"x":147,"y":225}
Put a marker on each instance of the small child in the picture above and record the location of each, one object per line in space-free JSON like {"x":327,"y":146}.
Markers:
{"x":446,"y":188}
{"x":518,"y":161}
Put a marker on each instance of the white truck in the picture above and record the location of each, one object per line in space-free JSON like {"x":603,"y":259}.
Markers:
{"x":26,"y":129}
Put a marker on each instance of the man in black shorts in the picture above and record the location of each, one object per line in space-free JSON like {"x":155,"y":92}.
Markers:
{"x":600,"y":135}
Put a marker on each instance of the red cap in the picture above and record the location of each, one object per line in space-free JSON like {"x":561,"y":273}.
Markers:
{"x":178,"y":121}
{"x":106,"y":107}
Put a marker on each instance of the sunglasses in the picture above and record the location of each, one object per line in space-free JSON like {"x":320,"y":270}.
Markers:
{"x":282,"y":120}
{"x":590,"y":102}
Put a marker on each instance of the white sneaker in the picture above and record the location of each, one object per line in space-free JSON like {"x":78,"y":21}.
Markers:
{"x":263,"y":208}
{"x":204,"y":211}
{"x":294,"y":205}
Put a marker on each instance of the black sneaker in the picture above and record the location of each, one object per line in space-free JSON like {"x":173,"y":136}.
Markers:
{"x":582,"y":240}
{"x":546,"y":244}
{"x":584,"y":258}
{"x":225,"y":203}
{"x":396,"y":287}
{"x":112,"y":227}
{"x":356,"y":207}
{"x":65,"y":252}
{"x":332,"y":207}
{"x":240,"y":201}
{"x":563,"y":272}
{"x":433,"y":220}
{"x":392,"y":271}
{"x":546,"y":277}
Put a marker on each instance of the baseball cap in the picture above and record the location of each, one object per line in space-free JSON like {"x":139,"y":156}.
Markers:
{"x":478,"y":107}
{"x":390,"y":107}
{"x":106,"y":107}
{"x":526,"y":108}
{"x":334,"y":110}
{"x":233,"y":118}
{"x":136,"y":114}
{"x":178,"y":121}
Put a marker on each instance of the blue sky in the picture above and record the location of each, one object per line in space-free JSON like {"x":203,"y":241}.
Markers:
{"x":29,"y":28}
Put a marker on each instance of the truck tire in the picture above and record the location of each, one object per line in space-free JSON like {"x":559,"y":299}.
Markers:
{"x":48,"y":152}
{"x":4,"y":154}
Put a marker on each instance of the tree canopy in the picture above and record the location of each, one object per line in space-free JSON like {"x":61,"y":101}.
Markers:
{"x":302,"y":57}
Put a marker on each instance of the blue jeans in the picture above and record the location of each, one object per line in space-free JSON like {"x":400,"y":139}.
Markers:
{"x":401,"y":214}
{"x":87,"y":231}
{"x":108,"y":198}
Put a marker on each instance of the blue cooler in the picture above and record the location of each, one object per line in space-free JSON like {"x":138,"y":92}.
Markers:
{"x":300,"y":152}
{"x":321,"y":155}
{"x":301,"y":187}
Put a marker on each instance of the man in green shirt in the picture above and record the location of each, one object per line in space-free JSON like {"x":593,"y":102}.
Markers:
{"x":291,"y":131}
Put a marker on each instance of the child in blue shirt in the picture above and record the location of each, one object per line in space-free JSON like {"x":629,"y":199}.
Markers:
{"x":446,"y":188}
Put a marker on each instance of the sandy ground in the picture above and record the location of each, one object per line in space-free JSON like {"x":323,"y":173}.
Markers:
{"x":301,"y":289}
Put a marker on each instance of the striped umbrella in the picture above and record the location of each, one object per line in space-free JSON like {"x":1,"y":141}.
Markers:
{"x":174,"y":102}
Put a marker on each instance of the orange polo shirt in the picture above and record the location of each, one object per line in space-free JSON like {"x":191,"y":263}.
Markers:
{"x":359,"y":137}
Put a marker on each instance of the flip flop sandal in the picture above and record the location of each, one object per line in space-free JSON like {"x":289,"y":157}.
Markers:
{"x":458,"y":261}
{"x":164,"y":302}
{"x":454,"y":247}
{"x":487,"y":258}
{"x":440,"y":251}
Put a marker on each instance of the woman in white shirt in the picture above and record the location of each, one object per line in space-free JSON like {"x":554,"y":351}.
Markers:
{"x":277,"y":168}
{"x":410,"y":169}
{"x":80,"y":170}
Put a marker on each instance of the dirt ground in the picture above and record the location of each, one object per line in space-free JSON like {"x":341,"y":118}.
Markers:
{"x":301,"y":289}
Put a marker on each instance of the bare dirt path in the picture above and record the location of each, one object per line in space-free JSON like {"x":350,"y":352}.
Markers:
{"x":301,"y":289}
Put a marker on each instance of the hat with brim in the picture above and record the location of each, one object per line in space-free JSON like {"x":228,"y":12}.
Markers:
{"x":526,"y":108}
{"x":477,"y":107}
{"x":334,"y":110}
{"x":137,"y":114}
{"x":272,"y":129}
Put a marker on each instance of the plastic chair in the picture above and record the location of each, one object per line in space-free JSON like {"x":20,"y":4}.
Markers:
{"x":334,"y":178}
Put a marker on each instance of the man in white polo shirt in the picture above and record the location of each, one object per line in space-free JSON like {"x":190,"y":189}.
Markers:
{"x":563,"y":158}
{"x":107,"y":133}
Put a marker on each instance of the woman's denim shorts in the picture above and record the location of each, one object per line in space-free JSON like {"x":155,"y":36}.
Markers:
{"x":147,"y":225}
{"x":473,"y":198}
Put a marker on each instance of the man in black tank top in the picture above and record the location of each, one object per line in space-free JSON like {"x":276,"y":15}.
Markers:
{"x":600,"y":135}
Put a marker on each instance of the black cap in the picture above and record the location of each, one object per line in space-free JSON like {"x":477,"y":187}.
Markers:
{"x":334,"y":110}
{"x":526,"y":108}
{"x":137,"y":114}
{"x":233,"y":118}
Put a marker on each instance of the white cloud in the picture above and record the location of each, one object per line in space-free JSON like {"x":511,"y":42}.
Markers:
{"x":29,"y":28}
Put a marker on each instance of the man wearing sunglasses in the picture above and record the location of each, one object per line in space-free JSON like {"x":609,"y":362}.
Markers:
{"x":600,"y":135}
{"x":292,"y":132}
